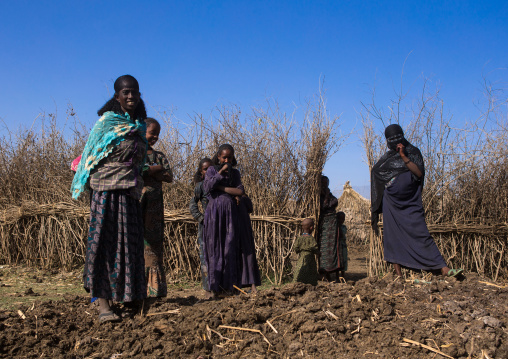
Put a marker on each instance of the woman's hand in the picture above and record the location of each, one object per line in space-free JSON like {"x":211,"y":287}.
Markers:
{"x":224,"y":168}
{"x":233,"y":191}
{"x":154,"y":169}
{"x":409,"y":164}
{"x":400,"y":149}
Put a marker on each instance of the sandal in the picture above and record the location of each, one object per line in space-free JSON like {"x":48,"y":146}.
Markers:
{"x":109,"y":317}
{"x":454,"y":272}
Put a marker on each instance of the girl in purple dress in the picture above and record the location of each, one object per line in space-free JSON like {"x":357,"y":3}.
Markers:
{"x":220,"y":226}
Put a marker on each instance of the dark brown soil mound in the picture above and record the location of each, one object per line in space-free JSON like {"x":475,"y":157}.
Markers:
{"x":369,"y":318}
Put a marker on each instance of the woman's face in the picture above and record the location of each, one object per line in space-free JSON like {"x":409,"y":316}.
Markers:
{"x":128,"y":97}
{"x":204,"y":167}
{"x":152,"y":134}
{"x":226,"y":156}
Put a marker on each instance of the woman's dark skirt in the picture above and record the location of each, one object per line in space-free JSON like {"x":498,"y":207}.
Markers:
{"x":114,"y":264}
{"x":332,"y":256}
{"x":406,"y":239}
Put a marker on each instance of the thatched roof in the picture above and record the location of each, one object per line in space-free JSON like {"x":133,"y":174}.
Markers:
{"x":354,"y":204}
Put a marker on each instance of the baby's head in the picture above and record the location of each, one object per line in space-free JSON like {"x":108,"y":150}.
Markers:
{"x":307,"y":225}
{"x":341,"y":217}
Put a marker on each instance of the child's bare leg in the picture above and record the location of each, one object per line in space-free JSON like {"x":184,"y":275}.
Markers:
{"x":209,"y":294}
{"x":337,"y":276}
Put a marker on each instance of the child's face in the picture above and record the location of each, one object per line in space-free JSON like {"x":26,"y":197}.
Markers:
{"x":152,"y":134}
{"x":226,"y":156}
{"x":204,"y":167}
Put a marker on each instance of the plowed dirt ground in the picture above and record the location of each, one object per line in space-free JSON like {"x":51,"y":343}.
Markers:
{"x":364,"y":318}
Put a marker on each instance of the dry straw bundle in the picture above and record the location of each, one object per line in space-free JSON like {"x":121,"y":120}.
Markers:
{"x":357,"y":210}
{"x":280,"y":157}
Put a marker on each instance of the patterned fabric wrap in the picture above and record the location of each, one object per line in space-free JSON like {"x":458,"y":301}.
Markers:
{"x":306,"y":267}
{"x":389,"y":166}
{"x":343,"y":256}
{"x":121,"y":168}
{"x":152,"y":206}
{"x":107,"y":132}
{"x":332,"y":256}
{"x":114,"y":263}
{"x":75,"y":163}
{"x":152,"y":159}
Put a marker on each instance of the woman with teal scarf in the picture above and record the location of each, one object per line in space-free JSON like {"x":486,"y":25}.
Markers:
{"x":111,"y":168}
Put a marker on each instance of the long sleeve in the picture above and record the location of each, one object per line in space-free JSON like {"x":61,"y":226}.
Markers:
{"x":167,"y":173}
{"x":212,"y":178}
{"x":193,"y":203}
{"x":297,"y":245}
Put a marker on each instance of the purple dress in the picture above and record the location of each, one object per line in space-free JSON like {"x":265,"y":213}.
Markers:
{"x":250,"y":269}
{"x":407,"y":240}
{"x":220,"y":230}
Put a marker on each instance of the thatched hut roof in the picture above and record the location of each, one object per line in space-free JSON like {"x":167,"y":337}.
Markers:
{"x":356,"y":207}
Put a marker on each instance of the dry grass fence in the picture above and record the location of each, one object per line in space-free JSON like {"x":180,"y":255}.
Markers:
{"x":280,"y":156}
{"x":466,"y":186}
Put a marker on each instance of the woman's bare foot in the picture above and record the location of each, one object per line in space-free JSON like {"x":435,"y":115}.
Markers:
{"x":398,"y":270}
{"x":253,"y":289}
{"x":444,"y":271}
{"x":209,"y":295}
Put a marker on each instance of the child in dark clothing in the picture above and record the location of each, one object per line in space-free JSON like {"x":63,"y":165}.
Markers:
{"x":200,"y":196}
{"x":306,"y":266}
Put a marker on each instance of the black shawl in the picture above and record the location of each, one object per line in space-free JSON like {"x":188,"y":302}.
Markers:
{"x":389,"y":166}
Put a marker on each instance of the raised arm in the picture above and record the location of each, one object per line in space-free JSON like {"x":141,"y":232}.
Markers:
{"x":409,"y":164}
{"x":212,"y":179}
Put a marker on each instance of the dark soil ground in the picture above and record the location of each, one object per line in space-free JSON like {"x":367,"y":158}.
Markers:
{"x":363,"y":318}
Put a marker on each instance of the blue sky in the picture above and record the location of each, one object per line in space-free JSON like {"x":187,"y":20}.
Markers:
{"x":193,"y":55}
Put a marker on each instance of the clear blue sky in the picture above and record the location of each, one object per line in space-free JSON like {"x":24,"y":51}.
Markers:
{"x":193,"y":55}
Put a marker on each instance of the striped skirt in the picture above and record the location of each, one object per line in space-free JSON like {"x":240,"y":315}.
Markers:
{"x":114,"y":263}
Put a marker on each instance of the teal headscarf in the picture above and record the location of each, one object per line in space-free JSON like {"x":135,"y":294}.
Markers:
{"x":106,"y":134}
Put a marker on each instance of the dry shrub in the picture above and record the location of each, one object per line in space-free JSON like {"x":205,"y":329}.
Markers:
{"x":280,"y":157}
{"x":466,"y":184}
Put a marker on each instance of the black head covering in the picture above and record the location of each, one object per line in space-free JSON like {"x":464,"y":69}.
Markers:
{"x":389,"y":166}
{"x":394,"y":135}
{"x":126,"y":81}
